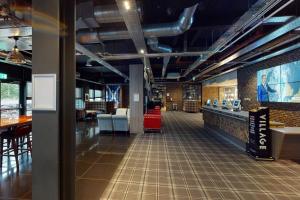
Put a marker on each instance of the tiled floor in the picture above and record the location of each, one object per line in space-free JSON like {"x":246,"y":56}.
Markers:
{"x":187,"y":163}
{"x":183,"y":163}
{"x":98,"y":157}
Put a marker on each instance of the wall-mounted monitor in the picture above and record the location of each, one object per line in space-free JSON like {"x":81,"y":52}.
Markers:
{"x":216,"y":102}
{"x":279,"y":84}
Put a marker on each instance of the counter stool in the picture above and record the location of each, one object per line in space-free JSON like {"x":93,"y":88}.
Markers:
{"x":15,"y":141}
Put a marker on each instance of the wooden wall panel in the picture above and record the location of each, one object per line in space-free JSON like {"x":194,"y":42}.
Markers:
{"x":209,"y":93}
{"x":176,"y":93}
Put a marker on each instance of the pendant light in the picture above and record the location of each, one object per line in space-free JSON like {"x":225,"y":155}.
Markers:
{"x":15,"y":56}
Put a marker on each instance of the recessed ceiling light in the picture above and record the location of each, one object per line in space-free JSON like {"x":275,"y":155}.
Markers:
{"x":127,"y":5}
{"x":142,"y":51}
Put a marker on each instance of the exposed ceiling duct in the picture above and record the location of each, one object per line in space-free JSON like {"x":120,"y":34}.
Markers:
{"x":173,"y":29}
{"x":272,"y":55}
{"x":277,"y":20}
{"x":134,"y":27}
{"x":158,"y":30}
{"x":90,"y":16}
{"x":263,"y":41}
{"x":260,"y":51}
{"x":276,"y":53}
{"x":155,"y":46}
{"x":249,"y":19}
{"x":153,"y":55}
{"x":110,"y":14}
{"x":96,"y":58}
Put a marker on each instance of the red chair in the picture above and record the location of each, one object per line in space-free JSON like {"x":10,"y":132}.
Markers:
{"x":16,"y":139}
{"x":152,"y":122}
{"x":154,"y":111}
{"x":157,"y":108}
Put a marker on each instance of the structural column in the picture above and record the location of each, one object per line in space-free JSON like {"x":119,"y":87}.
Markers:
{"x":136,"y":98}
{"x":54,"y":131}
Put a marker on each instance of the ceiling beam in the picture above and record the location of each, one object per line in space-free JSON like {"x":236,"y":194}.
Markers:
{"x":132,"y":20}
{"x":246,"y":21}
{"x":259,"y":43}
{"x":154,"y":55}
{"x":96,"y":58}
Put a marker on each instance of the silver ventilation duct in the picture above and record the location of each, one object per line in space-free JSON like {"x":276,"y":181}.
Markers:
{"x":135,"y":31}
{"x":172,"y":29}
{"x":295,"y":24}
{"x":252,"y":16}
{"x":158,"y":30}
{"x":112,"y":57}
{"x":155,"y":46}
{"x":96,"y":58}
{"x":277,"y":53}
{"x":110,"y":14}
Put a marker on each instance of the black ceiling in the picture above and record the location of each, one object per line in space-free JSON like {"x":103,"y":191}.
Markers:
{"x":211,"y":20}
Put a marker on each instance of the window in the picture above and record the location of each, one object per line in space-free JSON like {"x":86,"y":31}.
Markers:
{"x":10,"y":100}
{"x":79,"y":102}
{"x":28,"y":98}
{"x":98,"y":95}
{"x":91,"y":94}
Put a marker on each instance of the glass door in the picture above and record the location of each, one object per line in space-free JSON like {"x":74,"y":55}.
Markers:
{"x":10,"y":100}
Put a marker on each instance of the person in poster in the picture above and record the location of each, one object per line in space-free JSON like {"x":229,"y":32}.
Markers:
{"x":264,"y":89}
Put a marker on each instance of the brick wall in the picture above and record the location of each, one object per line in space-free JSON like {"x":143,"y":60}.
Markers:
{"x":289,"y":113}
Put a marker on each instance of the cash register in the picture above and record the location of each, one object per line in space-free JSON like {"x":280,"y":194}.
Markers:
{"x":236,"y":105}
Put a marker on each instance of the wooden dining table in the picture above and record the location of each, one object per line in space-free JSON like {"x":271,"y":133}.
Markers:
{"x":6,"y":123}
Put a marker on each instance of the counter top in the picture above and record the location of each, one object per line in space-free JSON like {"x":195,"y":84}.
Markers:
{"x":288,"y":130}
{"x":241,"y":114}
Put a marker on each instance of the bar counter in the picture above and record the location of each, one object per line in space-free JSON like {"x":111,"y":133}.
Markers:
{"x":232,"y":125}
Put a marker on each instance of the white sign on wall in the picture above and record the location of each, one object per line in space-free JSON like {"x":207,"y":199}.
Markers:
{"x":136,"y":97}
{"x":44,"y":92}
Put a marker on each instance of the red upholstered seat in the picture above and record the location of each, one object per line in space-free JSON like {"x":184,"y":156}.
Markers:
{"x":152,"y":122}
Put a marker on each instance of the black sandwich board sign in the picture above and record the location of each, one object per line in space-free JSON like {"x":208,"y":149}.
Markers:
{"x":260,"y":140}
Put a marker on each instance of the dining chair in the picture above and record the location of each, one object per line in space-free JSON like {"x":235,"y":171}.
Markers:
{"x":16,"y":140}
